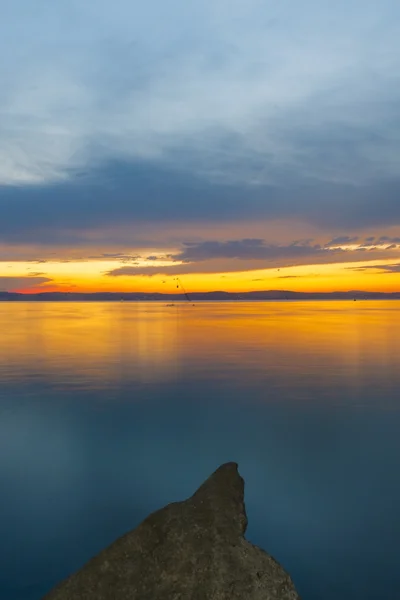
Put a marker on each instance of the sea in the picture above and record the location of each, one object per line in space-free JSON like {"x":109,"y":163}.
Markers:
{"x":109,"y":411}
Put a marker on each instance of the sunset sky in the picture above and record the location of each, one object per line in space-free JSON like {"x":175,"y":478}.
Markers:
{"x":240,"y":145}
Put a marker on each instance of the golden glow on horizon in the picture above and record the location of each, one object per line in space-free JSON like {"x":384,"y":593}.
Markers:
{"x":91,"y":276}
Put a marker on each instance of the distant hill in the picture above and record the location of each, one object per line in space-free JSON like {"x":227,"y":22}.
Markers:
{"x":195,"y":297}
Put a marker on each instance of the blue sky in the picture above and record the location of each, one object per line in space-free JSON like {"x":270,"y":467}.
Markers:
{"x":153,"y":124}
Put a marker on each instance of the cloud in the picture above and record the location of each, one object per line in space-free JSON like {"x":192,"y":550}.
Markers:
{"x":389,"y":242}
{"x":139,"y":198}
{"x":154,"y":257}
{"x":118,"y":256}
{"x":383,"y":242}
{"x":247,"y":249}
{"x":343,"y":240}
{"x":394,"y":268}
{"x":11,"y":284}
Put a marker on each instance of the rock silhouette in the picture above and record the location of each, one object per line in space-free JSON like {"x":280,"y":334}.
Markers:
{"x":190,"y":550}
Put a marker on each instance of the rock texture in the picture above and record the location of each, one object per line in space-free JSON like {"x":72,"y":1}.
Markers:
{"x":191,"y":550}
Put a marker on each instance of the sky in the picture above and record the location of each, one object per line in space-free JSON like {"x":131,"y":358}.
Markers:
{"x":241,"y":145}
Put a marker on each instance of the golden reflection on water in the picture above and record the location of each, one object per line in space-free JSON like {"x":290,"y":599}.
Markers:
{"x":103,"y":343}
{"x":100,"y":342}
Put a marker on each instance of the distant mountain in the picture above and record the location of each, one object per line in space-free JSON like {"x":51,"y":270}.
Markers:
{"x":195,"y":297}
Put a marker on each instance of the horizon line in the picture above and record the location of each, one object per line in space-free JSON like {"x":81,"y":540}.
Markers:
{"x":229,"y":293}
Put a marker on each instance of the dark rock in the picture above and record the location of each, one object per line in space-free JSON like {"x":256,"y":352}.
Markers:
{"x":191,"y":550}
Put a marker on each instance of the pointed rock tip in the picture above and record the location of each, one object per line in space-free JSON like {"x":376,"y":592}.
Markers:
{"x":225,"y":477}
{"x":231,"y":467}
{"x":223,"y":492}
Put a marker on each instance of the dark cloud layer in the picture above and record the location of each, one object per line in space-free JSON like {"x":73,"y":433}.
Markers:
{"x":136,"y":193}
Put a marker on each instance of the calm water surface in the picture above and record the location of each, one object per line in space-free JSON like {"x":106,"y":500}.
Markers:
{"x":110,"y":411}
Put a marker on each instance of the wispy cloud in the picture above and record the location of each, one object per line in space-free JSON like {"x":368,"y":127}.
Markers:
{"x":370,"y":243}
{"x":343,"y":240}
{"x":383,"y":241}
{"x":294,"y":276}
{"x":394,"y":268}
